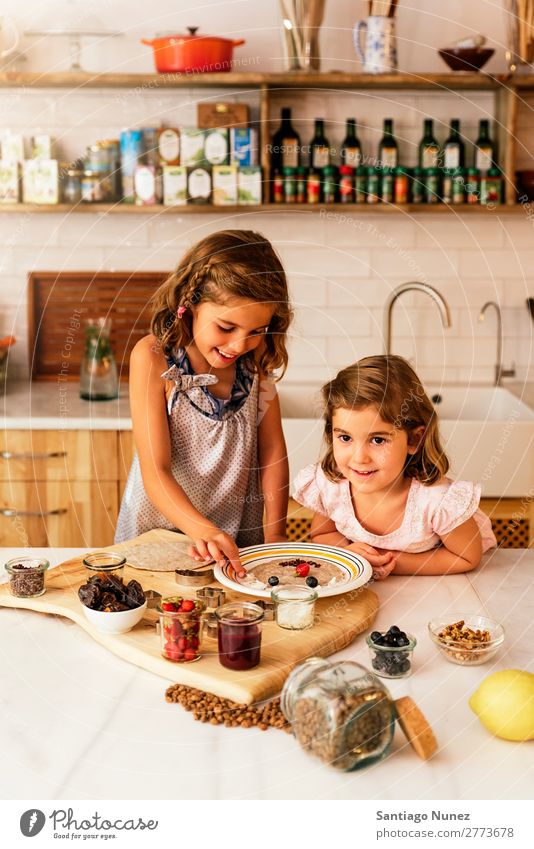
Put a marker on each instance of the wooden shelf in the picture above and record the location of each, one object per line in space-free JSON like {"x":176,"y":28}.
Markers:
{"x":159,"y":209}
{"x":333,"y":79}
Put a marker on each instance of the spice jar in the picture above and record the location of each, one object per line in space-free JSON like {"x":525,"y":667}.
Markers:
{"x":313,"y":186}
{"x":239,"y":634}
{"x":387,"y":186}
{"x":458,"y":185}
{"x":446,"y":185}
{"x":294,"y":607}
{"x":418,"y":185}
{"x":330,"y":181}
{"x":346,"y":184}
{"x":432,"y":185}
{"x":491,"y":187}
{"x":361,"y":184}
{"x":290,"y":184}
{"x":340,"y":712}
{"x":373,"y":185}
{"x":26,"y":576}
{"x":301,"y":185}
{"x":106,"y":562}
{"x":401,"y":189}
{"x":278,"y":187}
{"x":472,"y":185}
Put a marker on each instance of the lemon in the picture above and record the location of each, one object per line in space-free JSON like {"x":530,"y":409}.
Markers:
{"x":504,"y":703}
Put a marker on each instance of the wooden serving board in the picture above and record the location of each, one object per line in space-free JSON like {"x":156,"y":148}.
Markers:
{"x":339,"y":620}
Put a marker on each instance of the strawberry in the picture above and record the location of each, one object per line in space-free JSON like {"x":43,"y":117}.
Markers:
{"x":169,"y":606}
{"x":187,"y":606}
{"x":302,"y":570}
{"x":182,"y":643}
{"x":190,"y":654}
{"x":194,"y":642}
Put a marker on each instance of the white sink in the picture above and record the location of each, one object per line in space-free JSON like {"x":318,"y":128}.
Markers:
{"x":487,"y":432}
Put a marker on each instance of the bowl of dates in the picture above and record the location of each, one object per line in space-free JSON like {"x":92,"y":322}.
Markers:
{"x":110,"y":605}
{"x":467,"y":640}
{"x":391,"y":652}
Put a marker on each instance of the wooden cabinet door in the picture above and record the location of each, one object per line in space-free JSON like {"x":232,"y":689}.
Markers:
{"x":58,"y":455}
{"x":58,"y":514}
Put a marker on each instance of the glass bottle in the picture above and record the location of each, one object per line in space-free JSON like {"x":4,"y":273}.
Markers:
{"x":388,"y":150}
{"x":285,"y":144}
{"x":351,"y":149}
{"x":99,"y":380}
{"x":484,"y":149}
{"x":454,"y":149}
{"x":320,"y":148}
{"x":428,"y":147}
{"x":339,"y":712}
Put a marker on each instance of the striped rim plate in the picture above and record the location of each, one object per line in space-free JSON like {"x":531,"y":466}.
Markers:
{"x":355,"y":569}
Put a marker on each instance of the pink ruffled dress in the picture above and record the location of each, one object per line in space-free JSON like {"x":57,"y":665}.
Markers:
{"x":431,"y":511}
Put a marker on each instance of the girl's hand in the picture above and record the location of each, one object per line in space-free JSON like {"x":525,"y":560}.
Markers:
{"x":383,"y":562}
{"x":217,"y":546}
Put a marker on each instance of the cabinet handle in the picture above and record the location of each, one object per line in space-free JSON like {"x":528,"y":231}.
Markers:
{"x":8,"y":455}
{"x":10,"y":512}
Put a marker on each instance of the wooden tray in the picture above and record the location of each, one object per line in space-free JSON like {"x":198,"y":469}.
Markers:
{"x":340,"y":620}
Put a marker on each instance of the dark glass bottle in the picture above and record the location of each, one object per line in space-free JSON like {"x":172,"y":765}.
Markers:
{"x":351,"y":149}
{"x":428,"y":147}
{"x":285,"y":144}
{"x":388,"y":150}
{"x":484,"y":149}
{"x":320,"y":148}
{"x":454,"y":150}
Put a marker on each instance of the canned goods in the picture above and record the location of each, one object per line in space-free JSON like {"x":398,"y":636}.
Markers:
{"x":401,"y":189}
{"x":329,"y":184}
{"x":290,"y":184}
{"x":418,"y":185}
{"x":313,"y":186}
{"x":387,"y":185}
{"x":373,"y":185}
{"x":361,"y":184}
{"x":432,"y":185}
{"x":472,"y":185}
{"x":458,"y":185}
{"x":301,"y":185}
{"x":346,"y":184}
{"x":278,"y":187}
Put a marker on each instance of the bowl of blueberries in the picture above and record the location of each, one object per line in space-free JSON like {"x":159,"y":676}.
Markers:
{"x":391,"y":652}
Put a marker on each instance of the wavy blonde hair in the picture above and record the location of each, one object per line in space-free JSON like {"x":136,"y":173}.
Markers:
{"x":391,"y":385}
{"x":227,"y":264}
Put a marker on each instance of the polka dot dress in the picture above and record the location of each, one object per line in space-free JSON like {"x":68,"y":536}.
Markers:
{"x":213,"y":459}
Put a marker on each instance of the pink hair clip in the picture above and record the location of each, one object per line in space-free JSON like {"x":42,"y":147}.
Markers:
{"x":180,"y":311}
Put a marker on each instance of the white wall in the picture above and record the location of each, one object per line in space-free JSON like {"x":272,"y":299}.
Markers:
{"x":340,"y":268}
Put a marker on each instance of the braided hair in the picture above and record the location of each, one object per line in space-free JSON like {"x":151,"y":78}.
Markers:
{"x":227,"y":264}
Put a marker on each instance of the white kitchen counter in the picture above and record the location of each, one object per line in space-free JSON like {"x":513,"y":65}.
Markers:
{"x":78,"y":722}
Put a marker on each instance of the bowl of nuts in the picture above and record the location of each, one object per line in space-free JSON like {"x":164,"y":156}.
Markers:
{"x":468,"y":640}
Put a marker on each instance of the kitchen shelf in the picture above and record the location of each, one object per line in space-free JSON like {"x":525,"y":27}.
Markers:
{"x":159,"y":209}
{"x":333,"y":79}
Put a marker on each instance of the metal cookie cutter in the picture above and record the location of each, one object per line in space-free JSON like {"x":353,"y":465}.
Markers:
{"x":194,"y":577}
{"x":267,"y":607}
{"x":212,"y":596}
{"x":153,"y":598}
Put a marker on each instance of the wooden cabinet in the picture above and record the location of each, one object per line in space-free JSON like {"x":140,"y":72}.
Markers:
{"x":58,"y":488}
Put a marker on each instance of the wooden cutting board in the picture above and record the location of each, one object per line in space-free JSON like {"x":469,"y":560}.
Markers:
{"x":339,"y":620}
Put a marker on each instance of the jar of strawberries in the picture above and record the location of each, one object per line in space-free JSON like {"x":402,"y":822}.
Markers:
{"x":180,"y":627}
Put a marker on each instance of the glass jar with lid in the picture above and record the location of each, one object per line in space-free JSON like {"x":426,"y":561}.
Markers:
{"x":340,"y":712}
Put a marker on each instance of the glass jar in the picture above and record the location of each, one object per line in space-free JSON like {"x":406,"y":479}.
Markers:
{"x":239,"y":634}
{"x":71,"y":185}
{"x":99,"y":380}
{"x":106,"y":562}
{"x":181,"y":632}
{"x":26,"y":576}
{"x":392,"y":661}
{"x":340,"y":712}
{"x":96,"y":186}
{"x":294,"y":607}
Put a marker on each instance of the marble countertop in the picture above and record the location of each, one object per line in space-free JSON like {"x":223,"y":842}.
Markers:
{"x":78,"y":722}
{"x":57,"y":405}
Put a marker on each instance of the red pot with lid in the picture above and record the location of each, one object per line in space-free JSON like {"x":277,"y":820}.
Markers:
{"x":185,"y":53}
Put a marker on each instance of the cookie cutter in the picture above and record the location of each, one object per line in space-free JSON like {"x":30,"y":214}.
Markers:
{"x":194,"y":577}
{"x":153,"y":598}
{"x":210,"y":624}
{"x":267,"y":607}
{"x":212,"y":596}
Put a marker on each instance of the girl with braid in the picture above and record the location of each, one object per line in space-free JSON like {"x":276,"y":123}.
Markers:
{"x":211,"y":456}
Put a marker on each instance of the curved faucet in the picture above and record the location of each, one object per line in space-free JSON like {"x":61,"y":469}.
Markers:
{"x":500,"y":372}
{"x":416,"y":286}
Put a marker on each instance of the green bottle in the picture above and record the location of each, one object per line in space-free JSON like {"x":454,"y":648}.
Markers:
{"x":428,"y":147}
{"x":454,"y":150}
{"x":351,"y":149}
{"x":484,"y":149}
{"x":320,"y":148}
{"x":388,"y":150}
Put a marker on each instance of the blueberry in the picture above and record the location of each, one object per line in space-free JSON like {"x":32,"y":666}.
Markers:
{"x":390,"y":640}
{"x":311,"y":581}
{"x":376,"y":636}
{"x":394,"y":629}
{"x":273,"y":581}
{"x":402,"y":640}
{"x":381,"y":641}
{"x":404,"y":667}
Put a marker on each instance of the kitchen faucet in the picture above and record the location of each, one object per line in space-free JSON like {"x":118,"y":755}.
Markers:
{"x":416,"y":286}
{"x":500,"y":372}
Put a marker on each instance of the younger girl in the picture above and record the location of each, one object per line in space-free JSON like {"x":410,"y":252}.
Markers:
{"x":206,"y":417}
{"x":381,"y":488}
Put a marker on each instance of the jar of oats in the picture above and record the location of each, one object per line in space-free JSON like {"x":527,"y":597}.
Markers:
{"x":339,"y":712}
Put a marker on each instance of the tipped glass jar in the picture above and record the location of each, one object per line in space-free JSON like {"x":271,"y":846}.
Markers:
{"x":339,"y":712}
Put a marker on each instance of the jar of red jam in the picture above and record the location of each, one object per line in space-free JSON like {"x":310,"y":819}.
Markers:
{"x":239,"y":634}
